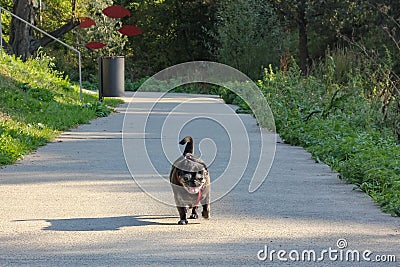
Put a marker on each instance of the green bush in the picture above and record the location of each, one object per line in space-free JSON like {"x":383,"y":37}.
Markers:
{"x":247,"y":36}
{"x":134,"y":86}
{"x":331,"y":116}
{"x":337,"y":129}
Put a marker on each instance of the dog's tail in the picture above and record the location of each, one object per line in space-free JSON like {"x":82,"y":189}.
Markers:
{"x":188,"y":140}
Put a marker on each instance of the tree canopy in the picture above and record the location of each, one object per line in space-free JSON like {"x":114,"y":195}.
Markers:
{"x":23,"y":41}
{"x":176,"y":31}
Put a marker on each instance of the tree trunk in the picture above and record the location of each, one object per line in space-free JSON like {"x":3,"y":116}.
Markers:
{"x":73,"y":9}
{"x":21,"y":34}
{"x":22,"y":38}
{"x":303,"y":39}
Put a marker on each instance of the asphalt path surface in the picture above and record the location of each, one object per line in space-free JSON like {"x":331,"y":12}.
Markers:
{"x":75,"y":201}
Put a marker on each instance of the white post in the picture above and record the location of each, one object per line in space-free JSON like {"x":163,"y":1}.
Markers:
{"x":80,"y":75}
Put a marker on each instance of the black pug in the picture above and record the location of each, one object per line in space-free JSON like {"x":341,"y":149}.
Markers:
{"x":190,"y":182}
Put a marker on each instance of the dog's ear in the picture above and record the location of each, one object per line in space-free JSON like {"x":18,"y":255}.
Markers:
{"x":188,"y":140}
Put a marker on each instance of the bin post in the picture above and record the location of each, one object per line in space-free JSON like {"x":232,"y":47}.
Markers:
{"x":100,"y":62}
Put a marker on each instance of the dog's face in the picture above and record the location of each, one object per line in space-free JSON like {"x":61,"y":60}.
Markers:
{"x":191,"y":173}
{"x":193,"y":182}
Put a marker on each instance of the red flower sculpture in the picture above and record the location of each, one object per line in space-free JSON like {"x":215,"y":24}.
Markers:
{"x":130,"y":30}
{"x":112,"y":12}
{"x":95,"y":45}
{"x":116,"y":12}
{"x":86,"y":22}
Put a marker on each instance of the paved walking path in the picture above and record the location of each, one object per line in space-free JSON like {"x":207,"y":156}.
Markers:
{"x":74,"y":202}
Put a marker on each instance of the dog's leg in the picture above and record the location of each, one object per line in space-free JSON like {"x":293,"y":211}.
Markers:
{"x":205,"y":203}
{"x":206,"y":211}
{"x":194,"y":213}
{"x":182,"y":215}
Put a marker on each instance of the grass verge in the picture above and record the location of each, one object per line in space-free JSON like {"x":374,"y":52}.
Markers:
{"x":340,"y":126}
{"x":37,"y":103}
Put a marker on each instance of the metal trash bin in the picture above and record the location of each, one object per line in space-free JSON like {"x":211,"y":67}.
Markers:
{"x":111,"y":76}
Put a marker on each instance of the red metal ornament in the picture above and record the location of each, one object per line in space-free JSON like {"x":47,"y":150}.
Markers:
{"x":95,"y":45}
{"x":130,"y":30}
{"x":116,"y":12}
{"x":86,"y":22}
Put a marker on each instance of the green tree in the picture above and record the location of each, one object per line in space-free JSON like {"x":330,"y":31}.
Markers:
{"x":105,"y":30}
{"x":23,"y":41}
{"x":320,"y":24}
{"x":248,"y":36}
{"x":173,"y":32}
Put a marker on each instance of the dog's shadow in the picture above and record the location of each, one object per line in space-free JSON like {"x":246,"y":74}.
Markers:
{"x":103,"y":224}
